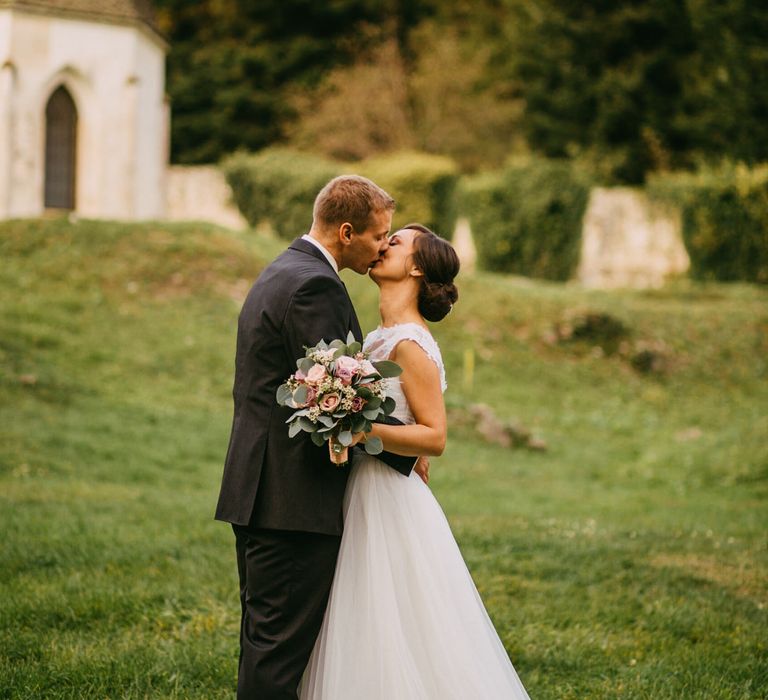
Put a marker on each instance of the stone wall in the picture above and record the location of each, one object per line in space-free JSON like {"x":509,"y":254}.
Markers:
{"x":200,"y":193}
{"x":464,"y":245}
{"x":629,"y":241}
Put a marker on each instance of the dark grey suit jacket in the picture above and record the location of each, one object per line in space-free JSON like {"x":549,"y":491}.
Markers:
{"x":271,"y":480}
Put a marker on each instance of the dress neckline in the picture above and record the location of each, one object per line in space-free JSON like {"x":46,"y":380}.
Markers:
{"x":399,"y":325}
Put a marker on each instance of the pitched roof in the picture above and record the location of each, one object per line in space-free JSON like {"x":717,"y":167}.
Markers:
{"x":107,"y":10}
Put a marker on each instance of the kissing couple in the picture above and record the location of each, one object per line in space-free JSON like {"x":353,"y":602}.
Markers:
{"x":352,"y":585}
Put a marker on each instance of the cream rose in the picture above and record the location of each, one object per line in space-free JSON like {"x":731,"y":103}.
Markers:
{"x":329,"y":402}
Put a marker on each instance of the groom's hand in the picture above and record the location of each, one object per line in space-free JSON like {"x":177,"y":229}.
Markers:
{"x":422,"y":468}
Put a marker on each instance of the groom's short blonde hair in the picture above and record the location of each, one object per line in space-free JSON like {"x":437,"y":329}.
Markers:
{"x":350,"y":199}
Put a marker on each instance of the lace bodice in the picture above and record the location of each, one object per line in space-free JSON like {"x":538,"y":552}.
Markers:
{"x":381,"y":342}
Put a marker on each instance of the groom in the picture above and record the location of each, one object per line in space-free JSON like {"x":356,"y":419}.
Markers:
{"x":283,"y":495}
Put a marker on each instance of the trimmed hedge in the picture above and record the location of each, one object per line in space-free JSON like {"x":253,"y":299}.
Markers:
{"x":527,"y":218}
{"x":423,"y":185}
{"x":725,"y":220}
{"x":278,"y":185}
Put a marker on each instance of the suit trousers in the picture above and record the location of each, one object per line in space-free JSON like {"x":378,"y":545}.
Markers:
{"x":285,"y":580}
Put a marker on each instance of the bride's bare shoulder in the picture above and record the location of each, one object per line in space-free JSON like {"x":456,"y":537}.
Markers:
{"x":416,"y":362}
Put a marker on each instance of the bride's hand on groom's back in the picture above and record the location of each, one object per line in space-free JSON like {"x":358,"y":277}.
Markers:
{"x":422,"y":468}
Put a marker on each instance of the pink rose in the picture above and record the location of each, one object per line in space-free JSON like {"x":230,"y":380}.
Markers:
{"x":316,"y":374}
{"x":298,"y":374}
{"x":367,"y":368}
{"x":357,"y":404}
{"x":346,"y":368}
{"x":329,"y":402}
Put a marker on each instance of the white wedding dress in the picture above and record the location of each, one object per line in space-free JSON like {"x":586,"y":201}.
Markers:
{"x":404,"y":619}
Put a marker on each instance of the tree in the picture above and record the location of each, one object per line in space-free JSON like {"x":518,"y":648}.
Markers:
{"x":434,"y":95}
{"x":602,"y":78}
{"x":233,"y":65}
{"x":641,"y":85}
{"x":359,"y":110}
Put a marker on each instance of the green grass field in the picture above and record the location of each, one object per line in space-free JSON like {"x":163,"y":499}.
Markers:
{"x":630,"y":560}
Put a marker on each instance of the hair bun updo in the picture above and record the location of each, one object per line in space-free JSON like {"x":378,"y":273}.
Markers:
{"x":439,"y":265}
{"x":436,"y":299}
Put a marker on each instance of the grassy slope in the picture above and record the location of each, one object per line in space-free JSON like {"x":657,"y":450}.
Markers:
{"x":627,"y":561}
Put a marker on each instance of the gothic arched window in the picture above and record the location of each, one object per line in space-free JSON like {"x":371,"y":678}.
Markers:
{"x":60,"y":150}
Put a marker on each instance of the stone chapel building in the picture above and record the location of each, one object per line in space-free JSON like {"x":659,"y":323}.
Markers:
{"x":84,"y":119}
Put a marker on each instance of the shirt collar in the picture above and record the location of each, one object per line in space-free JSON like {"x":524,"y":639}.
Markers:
{"x":331,"y":260}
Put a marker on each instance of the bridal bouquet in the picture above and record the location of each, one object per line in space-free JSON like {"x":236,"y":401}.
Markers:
{"x":337,"y":392}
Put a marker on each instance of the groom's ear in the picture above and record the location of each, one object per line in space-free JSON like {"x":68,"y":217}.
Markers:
{"x":345,"y":232}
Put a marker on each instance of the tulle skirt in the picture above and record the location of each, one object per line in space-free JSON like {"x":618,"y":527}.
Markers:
{"x":404,"y":619}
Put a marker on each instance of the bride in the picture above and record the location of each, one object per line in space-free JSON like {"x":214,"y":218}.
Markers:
{"x":404,"y":619}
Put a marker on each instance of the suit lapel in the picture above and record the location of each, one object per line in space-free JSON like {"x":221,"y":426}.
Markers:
{"x":356,"y":330}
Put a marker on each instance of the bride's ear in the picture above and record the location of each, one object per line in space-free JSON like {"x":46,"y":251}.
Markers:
{"x":415,"y":272}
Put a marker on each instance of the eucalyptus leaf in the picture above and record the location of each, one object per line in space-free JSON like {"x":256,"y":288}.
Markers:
{"x":294,"y":429}
{"x":354,"y":348}
{"x":297,"y":414}
{"x":306,"y":364}
{"x":284,"y":394}
{"x":345,"y":438}
{"x":350,"y":337}
{"x":387,"y":368}
{"x":364,"y":392}
{"x":389,"y":405}
{"x":374,"y":445}
{"x":301,"y":394}
{"x":307,"y":424}
{"x":358,"y":423}
{"x":317,"y":439}
{"x":371,"y":414}
{"x":327,"y":421}
{"x":373,"y":402}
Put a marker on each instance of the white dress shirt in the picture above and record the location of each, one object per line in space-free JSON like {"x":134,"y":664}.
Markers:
{"x":323,"y":250}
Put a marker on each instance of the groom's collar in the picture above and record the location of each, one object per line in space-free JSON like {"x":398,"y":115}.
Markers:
{"x":307,"y":244}
{"x":331,"y":260}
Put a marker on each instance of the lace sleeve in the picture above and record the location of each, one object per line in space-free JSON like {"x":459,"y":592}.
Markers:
{"x":418,"y":334}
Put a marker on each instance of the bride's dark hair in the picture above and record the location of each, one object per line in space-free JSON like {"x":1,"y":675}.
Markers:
{"x":439,"y":265}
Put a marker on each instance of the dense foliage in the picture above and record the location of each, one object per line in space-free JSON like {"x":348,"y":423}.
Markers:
{"x":630,"y":87}
{"x":234,"y":66}
{"x":725,"y":220}
{"x":423,"y":186}
{"x":527,"y":218}
{"x":278,"y":186}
